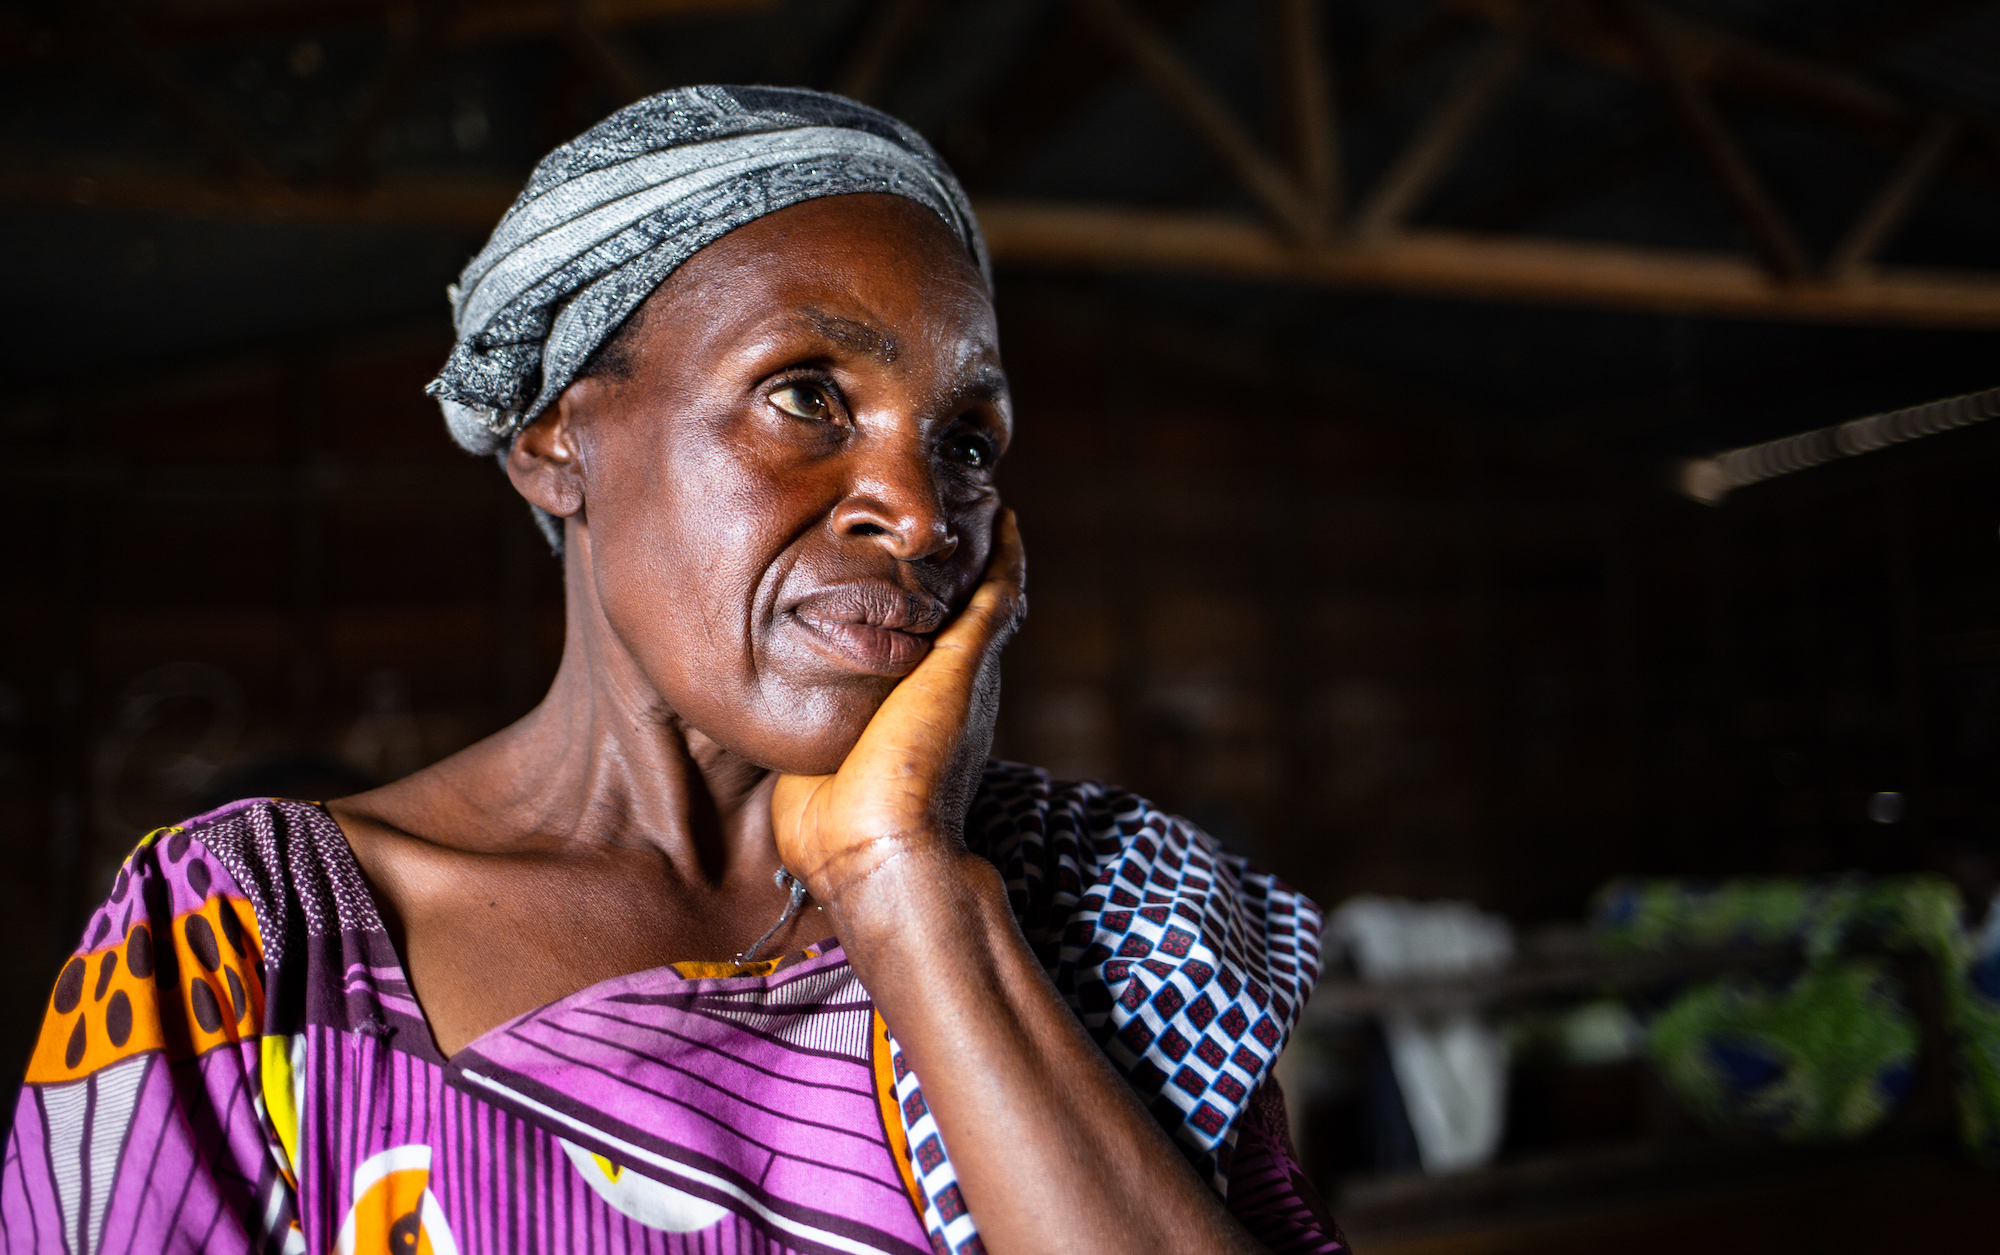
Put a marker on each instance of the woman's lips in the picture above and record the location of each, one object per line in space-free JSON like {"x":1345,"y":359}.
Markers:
{"x":878,"y":651}
{"x":877,"y":628}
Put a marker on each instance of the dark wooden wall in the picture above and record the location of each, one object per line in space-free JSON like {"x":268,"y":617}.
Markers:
{"x":271,"y":576}
{"x":1390,"y":645}
{"x":1375,"y":640}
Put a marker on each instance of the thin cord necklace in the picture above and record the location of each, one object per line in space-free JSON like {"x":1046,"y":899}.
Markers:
{"x":784,"y":880}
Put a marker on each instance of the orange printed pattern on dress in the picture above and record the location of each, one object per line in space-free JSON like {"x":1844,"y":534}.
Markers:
{"x":186,"y":994}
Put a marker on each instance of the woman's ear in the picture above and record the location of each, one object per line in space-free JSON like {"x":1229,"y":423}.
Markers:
{"x":546,"y":462}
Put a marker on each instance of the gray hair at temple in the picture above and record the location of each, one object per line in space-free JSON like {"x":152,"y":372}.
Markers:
{"x":608,"y":216}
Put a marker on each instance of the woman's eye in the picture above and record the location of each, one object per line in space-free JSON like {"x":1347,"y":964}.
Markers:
{"x":970,"y":449}
{"x":803,"y":400}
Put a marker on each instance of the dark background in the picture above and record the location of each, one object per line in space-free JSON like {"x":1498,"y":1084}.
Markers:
{"x":1391,"y":591}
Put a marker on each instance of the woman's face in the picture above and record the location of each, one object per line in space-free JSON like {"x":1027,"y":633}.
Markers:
{"x":792,"y":488}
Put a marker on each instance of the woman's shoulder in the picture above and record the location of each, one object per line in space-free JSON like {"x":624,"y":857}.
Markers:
{"x":179,"y":955}
{"x":288,"y":858}
{"x":1186,"y":963}
{"x":1019,"y":805}
{"x":1082,"y":846}
{"x":1016,"y":798}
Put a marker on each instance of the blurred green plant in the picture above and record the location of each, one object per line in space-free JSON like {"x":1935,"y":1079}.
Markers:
{"x":1828,"y":1053}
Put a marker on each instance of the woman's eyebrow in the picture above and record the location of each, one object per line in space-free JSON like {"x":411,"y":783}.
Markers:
{"x":859,"y":336}
{"x":988,"y":383}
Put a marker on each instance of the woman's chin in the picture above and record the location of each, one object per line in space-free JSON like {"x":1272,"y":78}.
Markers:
{"x":822,"y":760}
{"x":807,"y":747}
{"x":798,"y":725}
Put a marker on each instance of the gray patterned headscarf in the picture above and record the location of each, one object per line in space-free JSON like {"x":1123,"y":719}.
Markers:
{"x":608,"y":216}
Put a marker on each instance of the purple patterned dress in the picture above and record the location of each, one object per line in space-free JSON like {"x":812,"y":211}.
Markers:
{"x":233,"y":1061}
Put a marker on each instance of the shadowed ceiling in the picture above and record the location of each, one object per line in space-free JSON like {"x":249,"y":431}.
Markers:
{"x":1653,"y":226}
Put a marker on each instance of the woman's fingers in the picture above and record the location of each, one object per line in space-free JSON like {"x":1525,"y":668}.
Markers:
{"x":934,"y":727}
{"x":791,"y":803}
{"x":998,"y":603}
{"x":918,"y":727}
{"x":948,"y":674}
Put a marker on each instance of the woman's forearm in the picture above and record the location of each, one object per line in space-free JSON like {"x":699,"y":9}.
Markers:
{"x":1053,"y":1150}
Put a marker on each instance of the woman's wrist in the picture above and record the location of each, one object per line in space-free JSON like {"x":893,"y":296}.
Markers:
{"x":919,"y":888}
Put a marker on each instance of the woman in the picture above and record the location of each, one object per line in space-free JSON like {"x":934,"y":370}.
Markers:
{"x":660,"y":966}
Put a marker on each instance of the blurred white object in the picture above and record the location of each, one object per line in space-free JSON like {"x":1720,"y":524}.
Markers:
{"x":1451,"y":1066}
{"x":1601,"y":1032}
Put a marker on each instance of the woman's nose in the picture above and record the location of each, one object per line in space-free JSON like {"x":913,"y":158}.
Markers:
{"x":898,"y":502}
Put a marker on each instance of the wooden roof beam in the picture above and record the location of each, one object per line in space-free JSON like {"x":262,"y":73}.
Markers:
{"x":1769,"y":231}
{"x":1307,"y":83}
{"x":1205,"y":115}
{"x":1443,"y":133}
{"x":1050,"y":82}
{"x":886,"y":33}
{"x":1039,"y":234}
{"x":1482,"y":266}
{"x":1885,"y":214}
{"x":1723,"y":62}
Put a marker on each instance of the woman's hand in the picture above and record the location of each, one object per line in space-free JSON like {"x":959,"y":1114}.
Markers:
{"x":907,"y":783}
{"x":1053,"y":1150}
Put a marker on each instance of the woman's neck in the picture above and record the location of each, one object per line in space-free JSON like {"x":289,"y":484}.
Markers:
{"x":602,"y":761}
{"x":597,"y":836}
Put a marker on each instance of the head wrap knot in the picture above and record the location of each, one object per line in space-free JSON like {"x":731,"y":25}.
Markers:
{"x":608,"y":216}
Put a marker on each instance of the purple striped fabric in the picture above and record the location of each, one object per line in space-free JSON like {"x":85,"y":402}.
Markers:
{"x":234,"y":1061}
{"x":1267,"y":1191}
